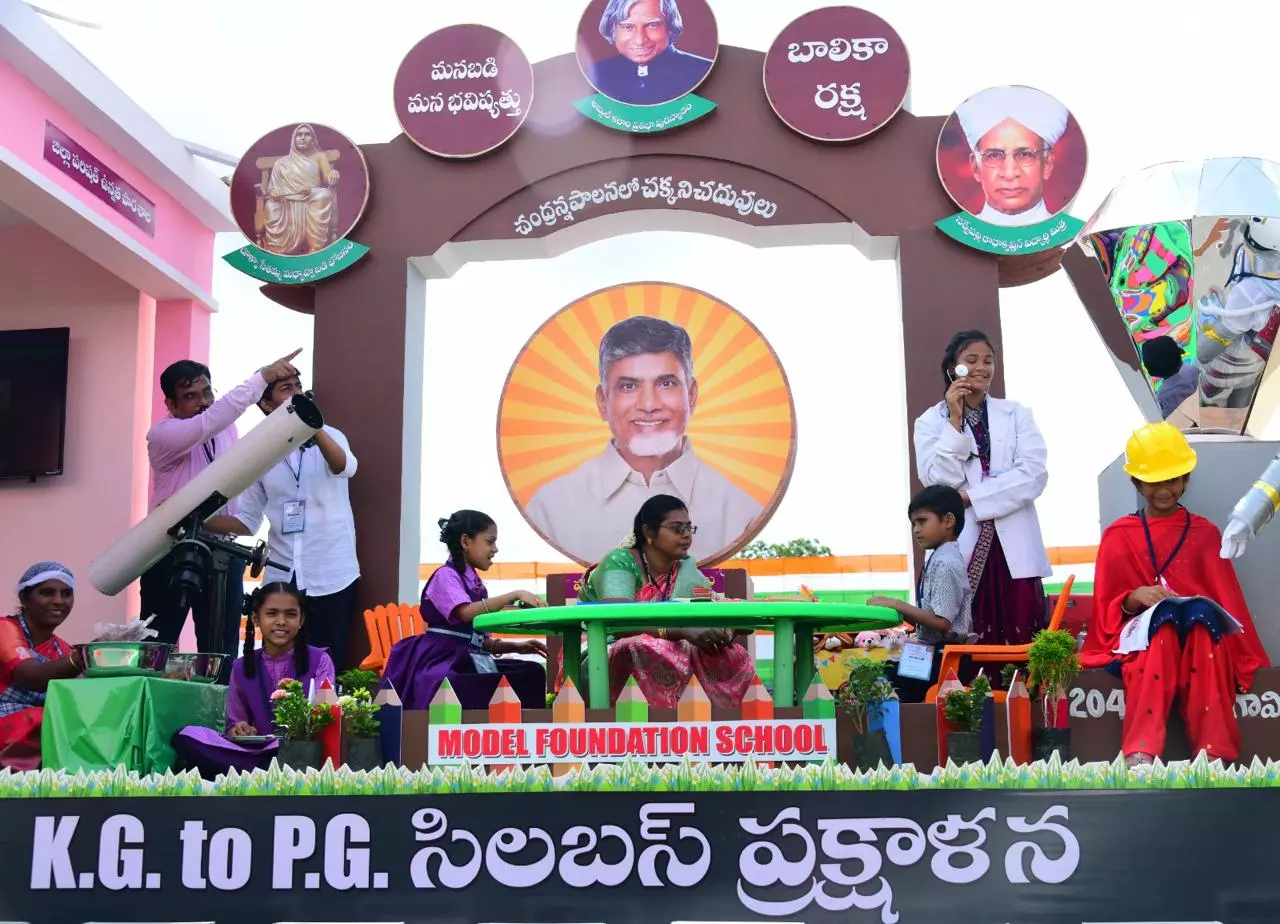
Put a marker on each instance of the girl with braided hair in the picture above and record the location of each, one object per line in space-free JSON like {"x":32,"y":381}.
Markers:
{"x":278,"y":611}
{"x":449,"y":647}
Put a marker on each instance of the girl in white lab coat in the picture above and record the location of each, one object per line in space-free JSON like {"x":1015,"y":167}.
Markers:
{"x":992,"y":452}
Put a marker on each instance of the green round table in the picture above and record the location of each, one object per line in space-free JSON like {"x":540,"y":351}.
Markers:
{"x":793,"y":624}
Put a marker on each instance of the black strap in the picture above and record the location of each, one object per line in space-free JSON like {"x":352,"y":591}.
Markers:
{"x":297,"y":475}
{"x":1151,"y":546}
{"x":208,"y":451}
{"x":924,"y":569}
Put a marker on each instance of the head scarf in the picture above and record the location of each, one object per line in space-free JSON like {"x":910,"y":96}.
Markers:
{"x":1033,"y":109}
{"x":43,"y":571}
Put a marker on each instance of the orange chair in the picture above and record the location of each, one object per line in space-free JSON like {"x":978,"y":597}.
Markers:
{"x":997,"y":654}
{"x":386,"y":625}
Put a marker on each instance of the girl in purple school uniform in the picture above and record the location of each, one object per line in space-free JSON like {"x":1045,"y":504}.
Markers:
{"x":277,"y":610}
{"x":449,"y":647}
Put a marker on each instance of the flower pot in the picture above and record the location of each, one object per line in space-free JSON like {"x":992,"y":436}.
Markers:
{"x":361,"y":753}
{"x":871,"y":749}
{"x":964,"y":747}
{"x":1044,"y":741}
{"x":301,"y":755}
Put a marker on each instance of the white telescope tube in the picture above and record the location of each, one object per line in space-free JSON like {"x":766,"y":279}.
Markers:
{"x":285,"y":429}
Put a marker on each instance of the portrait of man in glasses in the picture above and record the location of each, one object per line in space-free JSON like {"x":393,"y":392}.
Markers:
{"x":647,"y":395}
{"x":1012,"y":132}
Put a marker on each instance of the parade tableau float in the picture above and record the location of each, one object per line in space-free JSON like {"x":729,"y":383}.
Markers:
{"x":628,"y":813}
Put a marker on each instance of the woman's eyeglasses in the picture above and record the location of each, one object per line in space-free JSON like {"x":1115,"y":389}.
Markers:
{"x":681,"y":529}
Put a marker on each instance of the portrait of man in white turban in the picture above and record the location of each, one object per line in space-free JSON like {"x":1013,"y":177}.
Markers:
{"x":1012,"y":133}
{"x":301,"y":198}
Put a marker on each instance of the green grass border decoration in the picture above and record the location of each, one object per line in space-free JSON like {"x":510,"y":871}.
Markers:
{"x":634,"y":776}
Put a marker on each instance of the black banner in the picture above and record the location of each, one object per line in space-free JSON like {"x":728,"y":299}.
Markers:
{"x":933,"y":857}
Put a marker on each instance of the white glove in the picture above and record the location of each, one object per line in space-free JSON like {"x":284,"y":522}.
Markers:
{"x":1235,"y":538}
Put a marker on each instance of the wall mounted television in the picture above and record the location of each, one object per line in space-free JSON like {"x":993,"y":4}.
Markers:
{"x":33,"y":401}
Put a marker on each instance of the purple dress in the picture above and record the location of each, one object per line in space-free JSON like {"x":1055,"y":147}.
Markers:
{"x":449,"y":648}
{"x":249,"y":700}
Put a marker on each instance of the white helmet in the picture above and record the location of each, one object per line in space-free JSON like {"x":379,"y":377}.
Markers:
{"x":1264,"y":232}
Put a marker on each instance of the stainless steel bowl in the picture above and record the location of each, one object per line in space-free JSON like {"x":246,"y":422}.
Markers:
{"x":200,"y":668}
{"x":123,"y":659}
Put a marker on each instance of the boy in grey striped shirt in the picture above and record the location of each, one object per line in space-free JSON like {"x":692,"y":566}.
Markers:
{"x":943,"y":614}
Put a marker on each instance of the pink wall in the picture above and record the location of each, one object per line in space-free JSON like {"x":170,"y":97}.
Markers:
{"x":182,"y":332}
{"x":74,"y":517}
{"x":180,"y":240}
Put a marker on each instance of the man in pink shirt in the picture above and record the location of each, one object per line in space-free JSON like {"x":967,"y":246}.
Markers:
{"x":199,"y":429}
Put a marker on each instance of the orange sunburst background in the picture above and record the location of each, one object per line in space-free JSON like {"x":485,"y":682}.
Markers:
{"x":744,"y":425}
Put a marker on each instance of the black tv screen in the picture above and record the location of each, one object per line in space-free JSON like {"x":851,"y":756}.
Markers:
{"x":33,"y":401}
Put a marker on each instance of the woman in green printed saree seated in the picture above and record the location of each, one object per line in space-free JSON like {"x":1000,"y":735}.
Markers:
{"x":652,"y":565}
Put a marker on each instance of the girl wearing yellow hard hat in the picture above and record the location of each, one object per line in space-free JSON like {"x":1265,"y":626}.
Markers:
{"x":1168,"y":610}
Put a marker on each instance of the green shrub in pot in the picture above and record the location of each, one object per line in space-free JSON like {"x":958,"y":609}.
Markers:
{"x":860,"y":698}
{"x":1052,"y":665}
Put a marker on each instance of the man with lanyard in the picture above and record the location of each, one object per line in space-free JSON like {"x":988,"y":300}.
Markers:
{"x":199,"y":429}
{"x":312,"y":535}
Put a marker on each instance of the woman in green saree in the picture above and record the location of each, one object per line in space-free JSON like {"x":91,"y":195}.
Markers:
{"x":651,"y":565}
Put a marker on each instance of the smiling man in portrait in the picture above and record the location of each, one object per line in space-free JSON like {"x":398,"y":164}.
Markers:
{"x":647,"y":394}
{"x":648,"y":69}
{"x":1012,"y":132}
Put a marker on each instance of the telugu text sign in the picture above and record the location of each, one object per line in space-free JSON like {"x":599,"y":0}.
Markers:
{"x":636,"y":858}
{"x":614,"y":742}
{"x":837,"y":74}
{"x":463,"y":91}
{"x":63,"y":152}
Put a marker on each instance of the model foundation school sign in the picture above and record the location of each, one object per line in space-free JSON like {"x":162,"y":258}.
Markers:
{"x":792,"y":740}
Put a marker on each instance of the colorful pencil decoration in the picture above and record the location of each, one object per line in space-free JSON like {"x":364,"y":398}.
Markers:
{"x":390,"y":722}
{"x":632,"y":706}
{"x":1018,"y":707}
{"x":694,"y":706}
{"x":330,"y":737}
{"x":757,"y":704}
{"x":568,"y":709}
{"x":504,"y":709}
{"x":444,"y":708}
{"x":818,"y":703}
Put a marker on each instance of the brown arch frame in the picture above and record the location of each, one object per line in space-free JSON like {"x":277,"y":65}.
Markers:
{"x":428,"y":216}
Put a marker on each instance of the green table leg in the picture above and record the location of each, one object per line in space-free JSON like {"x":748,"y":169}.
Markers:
{"x":597,"y":664}
{"x":784,"y":662}
{"x":804,"y":659}
{"x":571,"y":646}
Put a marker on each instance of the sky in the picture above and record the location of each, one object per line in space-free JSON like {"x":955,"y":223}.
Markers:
{"x":1146,"y":89}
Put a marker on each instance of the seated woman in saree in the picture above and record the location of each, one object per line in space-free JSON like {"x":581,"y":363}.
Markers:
{"x":278,"y":610}
{"x":653,"y":564}
{"x":450,"y":648}
{"x":301,"y":198}
{"x":31,"y":655}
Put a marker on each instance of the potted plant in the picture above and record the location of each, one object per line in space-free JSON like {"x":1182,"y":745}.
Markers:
{"x":1006,"y":675}
{"x":963,"y":709}
{"x":297,"y":722}
{"x":1052,"y":664}
{"x":361,"y":744}
{"x":356,"y":679}
{"x":861,"y":698}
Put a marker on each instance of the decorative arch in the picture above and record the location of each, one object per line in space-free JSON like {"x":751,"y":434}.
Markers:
{"x":427,"y":217}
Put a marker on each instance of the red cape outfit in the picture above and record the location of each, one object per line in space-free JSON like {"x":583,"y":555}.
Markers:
{"x":1203,"y":673}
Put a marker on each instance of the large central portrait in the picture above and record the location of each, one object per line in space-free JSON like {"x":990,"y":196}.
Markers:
{"x":641,"y":389}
